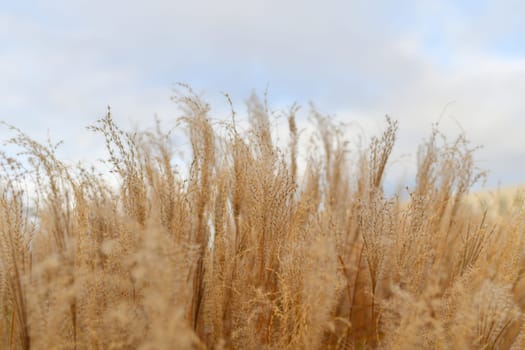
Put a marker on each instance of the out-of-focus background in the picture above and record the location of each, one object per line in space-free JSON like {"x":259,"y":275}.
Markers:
{"x":459,"y":63}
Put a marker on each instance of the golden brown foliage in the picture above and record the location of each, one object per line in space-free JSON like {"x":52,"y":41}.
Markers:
{"x":251,"y":251}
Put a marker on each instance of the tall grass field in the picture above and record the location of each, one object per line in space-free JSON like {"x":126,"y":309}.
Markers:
{"x":255,"y":244}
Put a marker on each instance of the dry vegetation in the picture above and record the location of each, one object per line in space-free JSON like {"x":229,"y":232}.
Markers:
{"x":247,"y":251}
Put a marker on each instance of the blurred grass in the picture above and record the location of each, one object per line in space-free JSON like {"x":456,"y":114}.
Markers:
{"x":247,"y":250}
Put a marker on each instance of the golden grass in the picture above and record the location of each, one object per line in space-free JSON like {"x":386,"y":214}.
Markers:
{"x":248,"y":252}
{"x":498,"y":202}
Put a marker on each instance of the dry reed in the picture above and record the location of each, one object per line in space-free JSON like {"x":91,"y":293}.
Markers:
{"x":253,"y":249}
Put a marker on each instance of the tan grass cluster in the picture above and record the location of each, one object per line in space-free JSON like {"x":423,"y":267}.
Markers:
{"x":247,"y":251}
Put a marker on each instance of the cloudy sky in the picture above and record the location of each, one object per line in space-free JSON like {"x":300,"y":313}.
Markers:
{"x":63,"y":62}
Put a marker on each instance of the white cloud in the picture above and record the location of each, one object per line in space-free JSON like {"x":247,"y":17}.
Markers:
{"x":63,"y":62}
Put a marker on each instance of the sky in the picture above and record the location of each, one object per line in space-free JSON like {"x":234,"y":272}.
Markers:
{"x":459,"y":63}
